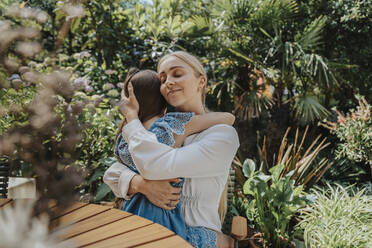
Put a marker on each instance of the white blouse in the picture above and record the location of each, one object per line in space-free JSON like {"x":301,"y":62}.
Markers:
{"x":203,"y":161}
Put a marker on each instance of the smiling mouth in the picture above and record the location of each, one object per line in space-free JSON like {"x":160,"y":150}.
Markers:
{"x":173,"y":91}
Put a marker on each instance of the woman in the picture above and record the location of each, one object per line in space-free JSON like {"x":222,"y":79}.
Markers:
{"x":203,"y":161}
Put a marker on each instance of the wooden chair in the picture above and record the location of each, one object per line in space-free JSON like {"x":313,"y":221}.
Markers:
{"x":4,"y":177}
{"x":233,"y":226}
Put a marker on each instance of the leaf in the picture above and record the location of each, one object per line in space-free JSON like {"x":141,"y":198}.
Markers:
{"x":247,"y":187}
{"x":97,"y":174}
{"x":102,"y":191}
{"x":249,"y":168}
{"x":242,"y":56}
{"x":75,"y":24}
{"x":276,"y":171}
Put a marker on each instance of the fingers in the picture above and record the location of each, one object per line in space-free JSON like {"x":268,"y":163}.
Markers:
{"x":130,"y":90}
{"x":175,"y":180}
{"x":175,"y":197}
{"x":176,"y":190}
{"x":170,"y":205}
{"x":166,"y":207}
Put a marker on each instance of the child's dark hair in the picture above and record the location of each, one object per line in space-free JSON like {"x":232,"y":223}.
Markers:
{"x":146,"y":87}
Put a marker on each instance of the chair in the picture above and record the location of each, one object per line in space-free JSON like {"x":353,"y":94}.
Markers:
{"x":4,"y":177}
{"x":233,"y":226}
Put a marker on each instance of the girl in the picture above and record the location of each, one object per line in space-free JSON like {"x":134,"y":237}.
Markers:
{"x":170,"y":129}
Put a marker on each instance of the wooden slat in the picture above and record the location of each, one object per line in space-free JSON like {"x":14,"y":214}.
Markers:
{"x":171,"y":242}
{"x":3,"y":202}
{"x":134,"y":238}
{"x":60,"y":212}
{"x":115,"y":228}
{"x":78,"y":215}
{"x":94,"y":222}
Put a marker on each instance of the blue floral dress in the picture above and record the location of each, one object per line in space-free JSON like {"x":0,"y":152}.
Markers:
{"x":164,"y":128}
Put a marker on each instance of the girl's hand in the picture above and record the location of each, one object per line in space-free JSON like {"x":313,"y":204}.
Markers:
{"x":129,"y":106}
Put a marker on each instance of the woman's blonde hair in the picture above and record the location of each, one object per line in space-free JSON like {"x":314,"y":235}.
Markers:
{"x":193,"y":62}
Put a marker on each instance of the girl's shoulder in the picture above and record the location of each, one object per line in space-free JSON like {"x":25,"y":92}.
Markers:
{"x":174,"y":121}
{"x":169,"y":124}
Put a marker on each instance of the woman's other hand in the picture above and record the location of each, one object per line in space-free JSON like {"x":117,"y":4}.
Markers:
{"x":129,"y":106}
{"x":159,"y":192}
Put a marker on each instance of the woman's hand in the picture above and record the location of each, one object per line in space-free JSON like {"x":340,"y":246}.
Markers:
{"x":158,"y":192}
{"x":129,"y":106}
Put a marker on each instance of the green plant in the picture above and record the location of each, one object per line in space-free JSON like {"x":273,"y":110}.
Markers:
{"x":338,"y":219}
{"x":302,"y":163}
{"x":354,"y":132}
{"x":98,"y":121}
{"x":305,"y":171}
{"x":276,"y":199}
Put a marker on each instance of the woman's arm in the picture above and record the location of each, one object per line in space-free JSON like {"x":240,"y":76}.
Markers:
{"x":210,"y":156}
{"x":125,"y":183}
{"x":118,"y":178}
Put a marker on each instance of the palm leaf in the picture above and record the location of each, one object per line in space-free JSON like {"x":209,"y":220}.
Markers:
{"x":312,"y":35}
{"x":308,"y":109}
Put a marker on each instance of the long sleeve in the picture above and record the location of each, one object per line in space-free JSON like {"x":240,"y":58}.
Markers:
{"x":210,"y":155}
{"x":118,"y":178}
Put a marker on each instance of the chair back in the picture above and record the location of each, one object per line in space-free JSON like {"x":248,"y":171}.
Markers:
{"x":225,"y":206}
{"x":4,"y":177}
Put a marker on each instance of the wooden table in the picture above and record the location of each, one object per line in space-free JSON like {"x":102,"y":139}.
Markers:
{"x":98,"y":226}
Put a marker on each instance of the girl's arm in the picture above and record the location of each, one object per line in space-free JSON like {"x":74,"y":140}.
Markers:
{"x":199,"y":123}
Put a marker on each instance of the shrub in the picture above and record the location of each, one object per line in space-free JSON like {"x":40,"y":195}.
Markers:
{"x":338,"y":218}
{"x":276,"y":200}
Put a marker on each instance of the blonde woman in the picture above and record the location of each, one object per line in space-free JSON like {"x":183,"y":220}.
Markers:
{"x":203,"y":161}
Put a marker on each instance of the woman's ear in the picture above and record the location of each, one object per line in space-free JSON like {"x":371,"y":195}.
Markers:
{"x":202,"y":82}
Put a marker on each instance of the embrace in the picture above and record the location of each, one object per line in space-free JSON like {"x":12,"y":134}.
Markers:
{"x":173,"y":166}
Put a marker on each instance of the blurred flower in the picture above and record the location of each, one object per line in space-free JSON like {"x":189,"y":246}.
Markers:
{"x":28,"y":49}
{"x":28,"y":33}
{"x":81,"y":55}
{"x":108,"y":86}
{"x":14,"y":76}
{"x":96,"y":97}
{"x":11,"y":65}
{"x":80,"y":94}
{"x":84,"y":54}
{"x":41,"y":17}
{"x":23,"y":69}
{"x":113,"y":93}
{"x":88,"y":89}
{"x":120,"y":85}
{"x":110,"y":72}
{"x":16,"y":84}
{"x":63,"y":57}
{"x":73,"y":11}
{"x":81,"y":83}
{"x":31,"y":76}
{"x":19,"y":229}
{"x":32,"y":64}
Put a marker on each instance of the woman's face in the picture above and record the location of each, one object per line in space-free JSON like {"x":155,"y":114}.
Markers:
{"x":180,"y":86}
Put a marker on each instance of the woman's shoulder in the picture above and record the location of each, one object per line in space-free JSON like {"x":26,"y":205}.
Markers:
{"x":222,"y":128}
{"x":221,"y":132}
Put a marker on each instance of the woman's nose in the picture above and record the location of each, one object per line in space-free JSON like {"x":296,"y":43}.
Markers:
{"x":169,"y":82}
